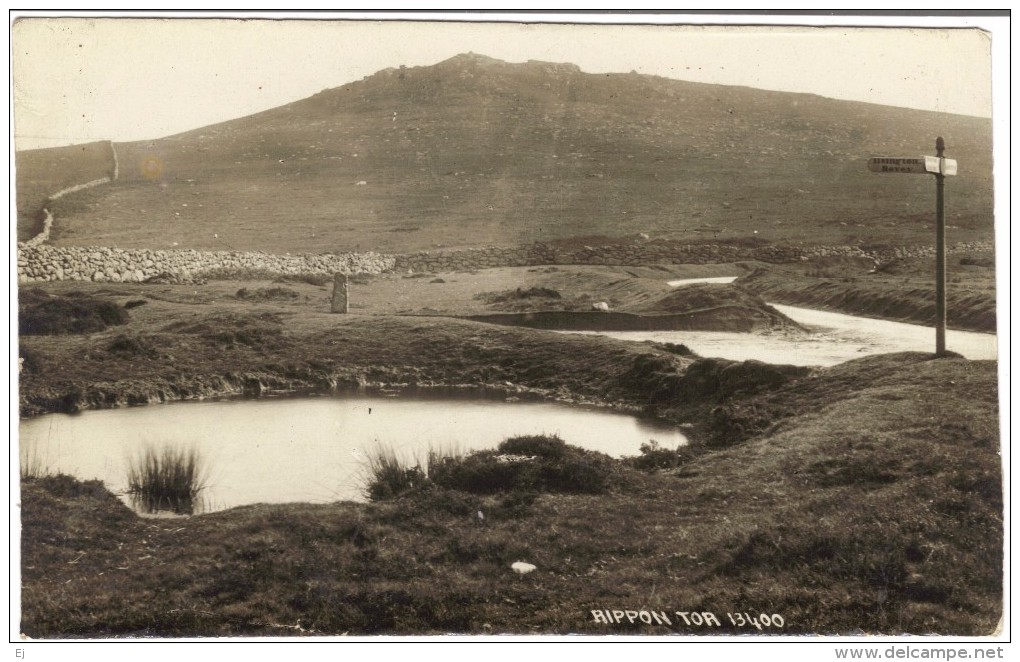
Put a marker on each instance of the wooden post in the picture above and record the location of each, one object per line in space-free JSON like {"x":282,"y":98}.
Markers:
{"x":940,"y":252}
{"x":941,"y":167}
{"x":340,"y":303}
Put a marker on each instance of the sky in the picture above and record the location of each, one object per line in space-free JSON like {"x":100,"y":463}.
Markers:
{"x":89,"y":78}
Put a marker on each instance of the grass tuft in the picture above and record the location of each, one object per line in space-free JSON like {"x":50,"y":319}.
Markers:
{"x":31,"y":465}
{"x":166,"y":479}
{"x":390,"y":477}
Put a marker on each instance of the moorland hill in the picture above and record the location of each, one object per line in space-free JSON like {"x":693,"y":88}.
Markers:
{"x":475,"y":151}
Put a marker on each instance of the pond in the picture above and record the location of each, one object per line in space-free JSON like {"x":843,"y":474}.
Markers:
{"x":312,"y":449}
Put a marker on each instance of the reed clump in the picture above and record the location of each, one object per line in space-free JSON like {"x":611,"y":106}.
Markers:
{"x":31,"y":464}
{"x":167,"y":479}
{"x":388,"y":476}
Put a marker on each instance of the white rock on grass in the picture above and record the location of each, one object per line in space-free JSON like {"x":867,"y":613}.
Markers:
{"x":522,"y":568}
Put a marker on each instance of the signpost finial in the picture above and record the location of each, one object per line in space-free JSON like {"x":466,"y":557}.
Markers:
{"x":940,"y":146}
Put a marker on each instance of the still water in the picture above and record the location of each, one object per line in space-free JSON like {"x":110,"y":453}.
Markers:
{"x":720,"y":280}
{"x":312,"y":449}
{"x":831,"y":338}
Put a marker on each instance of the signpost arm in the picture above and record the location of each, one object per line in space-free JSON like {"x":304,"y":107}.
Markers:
{"x":940,"y":253}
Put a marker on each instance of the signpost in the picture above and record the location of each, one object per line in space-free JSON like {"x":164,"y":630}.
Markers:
{"x":898,"y":164}
{"x":941,"y":167}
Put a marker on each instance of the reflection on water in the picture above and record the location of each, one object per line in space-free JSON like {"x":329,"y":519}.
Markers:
{"x":150,"y":504}
{"x":313,"y":449}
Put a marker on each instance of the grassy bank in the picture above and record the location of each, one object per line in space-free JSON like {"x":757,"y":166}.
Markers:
{"x":903,"y":290}
{"x":186,"y":342}
{"x":870,"y":503}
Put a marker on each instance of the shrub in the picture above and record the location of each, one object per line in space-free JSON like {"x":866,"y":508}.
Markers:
{"x":310,"y":279}
{"x":68,"y":487}
{"x":977,"y":261}
{"x":134,"y":303}
{"x":250,"y":334}
{"x":654,"y":457}
{"x":267,"y":294}
{"x":660,"y":377}
{"x":167,"y":479}
{"x":528,"y":464}
{"x":721,"y":379}
{"x":541,"y":445}
{"x":519,"y":294}
{"x":480,"y":473}
{"x":40,"y":314}
{"x":733,"y":423}
{"x":261,"y":331}
{"x":676,"y":348}
{"x":130,"y":346}
{"x":532,"y":292}
{"x":581,"y":471}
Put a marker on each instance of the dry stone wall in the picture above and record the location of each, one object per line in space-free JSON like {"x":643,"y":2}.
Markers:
{"x":79,"y":187}
{"x":38,"y":261}
{"x":48,"y":263}
{"x":45,"y":263}
{"x":44,"y":235}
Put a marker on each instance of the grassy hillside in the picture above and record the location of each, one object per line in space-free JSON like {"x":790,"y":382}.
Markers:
{"x":475,"y":151}
{"x":43,"y":172}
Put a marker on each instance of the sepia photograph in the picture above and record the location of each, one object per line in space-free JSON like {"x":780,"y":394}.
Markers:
{"x":616,"y":327}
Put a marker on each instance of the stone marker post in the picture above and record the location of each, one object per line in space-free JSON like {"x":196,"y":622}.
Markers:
{"x":339,"y":304}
